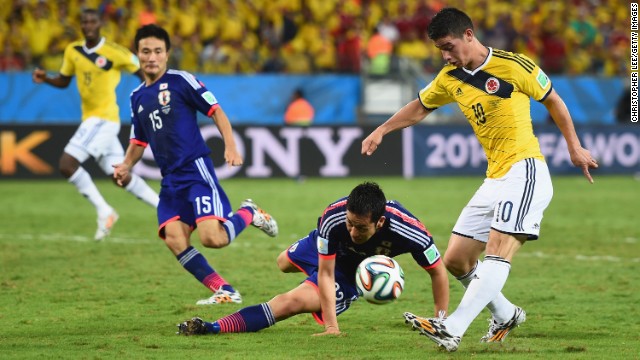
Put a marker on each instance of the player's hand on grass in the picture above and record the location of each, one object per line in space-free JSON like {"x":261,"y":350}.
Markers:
{"x":582,"y":158}
{"x":330,"y":331}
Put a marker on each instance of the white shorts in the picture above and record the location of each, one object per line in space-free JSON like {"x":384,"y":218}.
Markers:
{"x":99,"y":139}
{"x":512,"y":204}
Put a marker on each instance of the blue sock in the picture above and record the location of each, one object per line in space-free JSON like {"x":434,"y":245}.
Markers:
{"x":250,"y":319}
{"x":213,"y":327}
{"x":228,"y":288}
{"x":195,"y":263}
{"x":238,"y":222}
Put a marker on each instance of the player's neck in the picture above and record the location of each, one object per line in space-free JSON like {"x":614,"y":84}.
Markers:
{"x":480,"y":56}
{"x":151,"y":79}
{"x":91,"y":43}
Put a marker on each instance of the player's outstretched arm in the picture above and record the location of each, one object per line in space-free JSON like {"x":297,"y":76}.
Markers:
{"x":580,"y":157}
{"x":408,"y":115}
{"x":122,"y":171}
{"x":231,"y":154}
{"x":327,"y":289}
{"x":439,"y":288}
{"x":39,"y":76}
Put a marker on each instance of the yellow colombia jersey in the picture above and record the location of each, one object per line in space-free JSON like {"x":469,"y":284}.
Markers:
{"x":97,"y":74}
{"x":495,"y":100}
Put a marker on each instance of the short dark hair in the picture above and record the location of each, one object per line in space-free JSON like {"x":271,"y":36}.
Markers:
{"x":90,"y":11}
{"x":449,"y":22}
{"x":367,"y":199}
{"x":152,"y":30}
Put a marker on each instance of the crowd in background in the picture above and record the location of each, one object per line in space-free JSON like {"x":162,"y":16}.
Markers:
{"x":314,"y":36}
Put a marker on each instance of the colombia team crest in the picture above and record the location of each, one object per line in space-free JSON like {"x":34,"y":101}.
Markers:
{"x":101,"y":61}
{"x":492,"y":85}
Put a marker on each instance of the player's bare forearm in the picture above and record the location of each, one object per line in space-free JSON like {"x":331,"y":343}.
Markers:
{"x":580,"y":157}
{"x":132,"y":156}
{"x":440,"y":288}
{"x":327,"y":289}
{"x":60,"y":81}
{"x":224,"y":126}
{"x":408,"y":115}
{"x":560,"y":115}
{"x":231,"y":154}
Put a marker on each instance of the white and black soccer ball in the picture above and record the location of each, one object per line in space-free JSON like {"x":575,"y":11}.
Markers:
{"x":379,"y":279}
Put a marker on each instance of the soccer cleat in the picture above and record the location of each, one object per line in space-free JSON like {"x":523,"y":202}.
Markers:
{"x":194,"y":326}
{"x":498,"y":332}
{"x":434,"y":329}
{"x":221,"y":297}
{"x":105,"y":225}
{"x":261,"y":219}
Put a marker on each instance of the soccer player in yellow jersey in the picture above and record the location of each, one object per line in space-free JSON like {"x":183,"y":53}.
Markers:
{"x":97,"y":64}
{"x":492,"y":87}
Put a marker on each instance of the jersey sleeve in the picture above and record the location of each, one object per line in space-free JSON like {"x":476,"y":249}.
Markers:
{"x":434,"y":94}
{"x":68,"y":67}
{"x":427,"y":258}
{"x":413,"y":232}
{"x":326,"y":247}
{"x":197,"y":94}
{"x":137,"y":135}
{"x":125,"y":59}
{"x":332,"y":219}
{"x":131,"y":64}
{"x":536,"y":83}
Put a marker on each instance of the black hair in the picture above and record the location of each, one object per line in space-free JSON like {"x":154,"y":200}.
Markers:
{"x":367,"y":199}
{"x":449,"y":22}
{"x":90,"y":11}
{"x":152,"y":30}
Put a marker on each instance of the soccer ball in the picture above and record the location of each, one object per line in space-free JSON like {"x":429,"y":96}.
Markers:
{"x":379,"y":279}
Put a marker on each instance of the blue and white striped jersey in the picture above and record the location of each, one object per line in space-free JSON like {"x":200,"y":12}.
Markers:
{"x":401,"y":233}
{"x":163,"y":115}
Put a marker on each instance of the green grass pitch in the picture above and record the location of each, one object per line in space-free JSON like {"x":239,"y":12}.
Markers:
{"x":62,"y":295}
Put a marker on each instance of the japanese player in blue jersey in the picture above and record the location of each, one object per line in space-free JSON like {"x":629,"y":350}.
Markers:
{"x":349,"y":230}
{"x":163,"y":116}
{"x":493,"y":88}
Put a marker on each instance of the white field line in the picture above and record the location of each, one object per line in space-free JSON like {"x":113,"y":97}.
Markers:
{"x":593,"y":258}
{"x":269,"y":243}
{"x":127,"y":240}
{"x":74,"y":238}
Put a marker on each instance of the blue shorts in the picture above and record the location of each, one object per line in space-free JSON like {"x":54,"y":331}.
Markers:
{"x":303,"y":254}
{"x":192,"y":194}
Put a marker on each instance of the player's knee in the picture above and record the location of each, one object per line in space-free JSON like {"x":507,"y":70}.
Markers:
{"x":215,"y":240}
{"x":68,"y":165}
{"x":176,"y":244}
{"x":457,"y":266}
{"x":283,"y":262}
{"x":292,"y":305}
{"x":66,"y":169}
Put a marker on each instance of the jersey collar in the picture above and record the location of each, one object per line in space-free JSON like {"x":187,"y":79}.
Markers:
{"x":484,"y":63}
{"x":95,"y":48}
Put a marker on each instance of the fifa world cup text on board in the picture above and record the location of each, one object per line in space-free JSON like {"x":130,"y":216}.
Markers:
{"x":634,"y":16}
